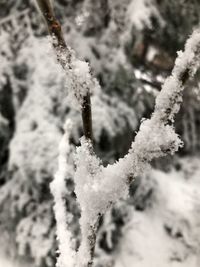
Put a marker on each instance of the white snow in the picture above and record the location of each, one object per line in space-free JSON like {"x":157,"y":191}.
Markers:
{"x":79,"y":79}
{"x":82,"y":82}
{"x":174,"y":206}
{"x":6,"y":261}
{"x":140,"y":12}
{"x":58,"y":189}
{"x":151,"y":53}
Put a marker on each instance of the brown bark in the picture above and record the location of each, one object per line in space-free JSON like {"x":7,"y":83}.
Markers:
{"x":61,"y":48}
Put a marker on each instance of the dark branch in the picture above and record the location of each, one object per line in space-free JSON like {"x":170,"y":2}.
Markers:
{"x":61,"y":48}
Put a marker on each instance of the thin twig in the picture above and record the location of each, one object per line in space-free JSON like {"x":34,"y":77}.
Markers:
{"x":61,"y":48}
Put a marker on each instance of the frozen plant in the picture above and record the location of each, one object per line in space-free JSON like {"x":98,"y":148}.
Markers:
{"x":97,"y":187}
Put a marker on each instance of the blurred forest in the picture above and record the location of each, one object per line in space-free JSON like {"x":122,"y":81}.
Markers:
{"x":131,"y":46}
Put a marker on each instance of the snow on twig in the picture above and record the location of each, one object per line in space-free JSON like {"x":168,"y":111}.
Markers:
{"x":77,"y":71}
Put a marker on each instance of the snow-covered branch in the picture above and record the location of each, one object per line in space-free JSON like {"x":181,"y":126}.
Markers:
{"x":58,"y":189}
{"x":98,"y":187}
{"x":77,"y":71}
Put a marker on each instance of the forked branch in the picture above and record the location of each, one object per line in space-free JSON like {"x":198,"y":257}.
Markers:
{"x":98,"y":187}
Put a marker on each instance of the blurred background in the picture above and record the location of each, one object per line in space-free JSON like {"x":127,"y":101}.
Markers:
{"x":131,"y":46}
